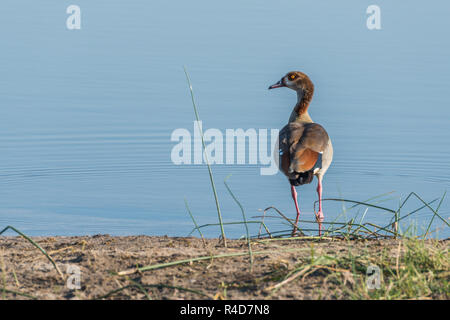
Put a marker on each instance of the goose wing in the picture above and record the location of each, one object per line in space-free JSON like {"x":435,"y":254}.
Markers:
{"x":301,"y":146}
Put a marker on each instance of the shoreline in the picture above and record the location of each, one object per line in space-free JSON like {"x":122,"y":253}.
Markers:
{"x":191,"y":268}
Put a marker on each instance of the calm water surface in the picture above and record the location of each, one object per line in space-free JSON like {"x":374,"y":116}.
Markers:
{"x":86,"y":115}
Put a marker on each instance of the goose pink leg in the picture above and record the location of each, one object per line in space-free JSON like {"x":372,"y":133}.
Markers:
{"x":319,"y":215}
{"x":294,"y":196}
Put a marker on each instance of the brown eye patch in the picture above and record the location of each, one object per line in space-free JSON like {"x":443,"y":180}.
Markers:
{"x":292,"y":76}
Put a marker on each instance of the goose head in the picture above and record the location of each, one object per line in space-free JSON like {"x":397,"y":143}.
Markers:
{"x":295,"y":80}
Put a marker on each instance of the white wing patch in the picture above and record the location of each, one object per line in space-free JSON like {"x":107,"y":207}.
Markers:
{"x":318,"y":166}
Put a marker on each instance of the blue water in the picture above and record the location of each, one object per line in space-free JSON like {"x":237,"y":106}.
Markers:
{"x":86,"y":115}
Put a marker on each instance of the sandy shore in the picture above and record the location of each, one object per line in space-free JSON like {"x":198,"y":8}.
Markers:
{"x":281,"y":269}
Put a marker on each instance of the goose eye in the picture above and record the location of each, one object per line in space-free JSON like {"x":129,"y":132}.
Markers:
{"x":292,"y":76}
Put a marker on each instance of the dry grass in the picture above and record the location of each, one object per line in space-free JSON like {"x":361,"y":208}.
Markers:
{"x":190,"y":268}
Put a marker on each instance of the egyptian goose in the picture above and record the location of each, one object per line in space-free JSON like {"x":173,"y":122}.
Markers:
{"x":305,"y":147}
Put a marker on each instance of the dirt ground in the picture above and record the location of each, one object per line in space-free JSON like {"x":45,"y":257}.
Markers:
{"x":26,"y":273}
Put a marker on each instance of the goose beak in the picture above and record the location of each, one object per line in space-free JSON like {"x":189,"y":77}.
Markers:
{"x":279,"y":84}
